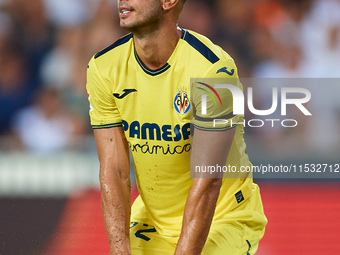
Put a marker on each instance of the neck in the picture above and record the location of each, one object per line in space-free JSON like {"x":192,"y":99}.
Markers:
{"x":156,"y":47}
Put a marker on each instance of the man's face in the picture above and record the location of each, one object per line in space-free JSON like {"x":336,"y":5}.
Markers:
{"x":136,"y":14}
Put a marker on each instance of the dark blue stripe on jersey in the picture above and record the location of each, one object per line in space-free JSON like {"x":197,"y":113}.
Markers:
{"x":225,"y":117}
{"x":215,"y":129}
{"x":183,"y":33}
{"x":200,"y":47}
{"x":121,"y":41}
{"x":159,"y":70}
{"x":107,"y":126}
{"x":150,"y":71}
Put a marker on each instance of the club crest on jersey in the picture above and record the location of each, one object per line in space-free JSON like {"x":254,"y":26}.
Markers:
{"x":181,"y":102}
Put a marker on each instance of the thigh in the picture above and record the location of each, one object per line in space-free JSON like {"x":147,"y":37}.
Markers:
{"x":240,"y":233}
{"x":230,"y":239}
{"x":146,"y":241}
{"x":223,"y":239}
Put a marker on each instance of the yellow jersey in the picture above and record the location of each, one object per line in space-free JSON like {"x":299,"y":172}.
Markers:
{"x":154,"y":107}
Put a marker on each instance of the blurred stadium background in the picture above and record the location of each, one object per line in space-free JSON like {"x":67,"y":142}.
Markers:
{"x":49,"y":189}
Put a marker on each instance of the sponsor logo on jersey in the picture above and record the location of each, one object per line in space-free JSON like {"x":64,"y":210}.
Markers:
{"x":181,"y":102}
{"x":225,"y":70}
{"x":126,"y":92}
{"x":152,"y":131}
{"x":147,"y":135}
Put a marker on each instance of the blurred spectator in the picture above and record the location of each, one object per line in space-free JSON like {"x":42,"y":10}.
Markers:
{"x":278,"y":46}
{"x":99,"y":33}
{"x":286,"y":60}
{"x":323,"y":126}
{"x":197,"y":16}
{"x":48,"y":43}
{"x":45,"y":127}
{"x":234,"y":26}
{"x":57,"y":65}
{"x":62,"y":71}
{"x":68,"y":12}
{"x":321,"y":39}
{"x":5,"y":28}
{"x":33,"y":34}
{"x":304,"y":43}
{"x":64,"y":67}
{"x":103,"y":30}
{"x":269,"y":14}
{"x":15,"y":89}
{"x":284,"y":40}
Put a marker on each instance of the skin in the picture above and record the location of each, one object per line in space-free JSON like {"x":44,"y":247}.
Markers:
{"x":114,"y":175}
{"x":154,"y":26}
{"x":208,"y":149}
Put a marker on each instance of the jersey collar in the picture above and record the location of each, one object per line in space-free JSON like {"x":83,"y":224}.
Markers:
{"x":159,"y":70}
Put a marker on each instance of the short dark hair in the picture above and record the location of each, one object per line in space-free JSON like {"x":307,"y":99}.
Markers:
{"x":183,"y":1}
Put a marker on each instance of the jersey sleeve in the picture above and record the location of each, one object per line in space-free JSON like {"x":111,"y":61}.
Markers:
{"x":103,"y":109}
{"x":213,"y":106}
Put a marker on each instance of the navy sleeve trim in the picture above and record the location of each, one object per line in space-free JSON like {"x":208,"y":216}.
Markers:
{"x":119,"y":42}
{"x":215,"y":129}
{"x":200,"y":47}
{"x":107,"y":125}
{"x":225,"y":117}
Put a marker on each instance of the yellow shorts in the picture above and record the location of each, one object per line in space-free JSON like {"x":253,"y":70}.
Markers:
{"x":238,"y":234}
{"x":146,"y":241}
{"x":227,"y":240}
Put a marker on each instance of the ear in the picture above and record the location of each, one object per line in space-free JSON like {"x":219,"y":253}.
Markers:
{"x":169,"y":4}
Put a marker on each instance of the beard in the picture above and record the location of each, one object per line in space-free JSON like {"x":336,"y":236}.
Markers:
{"x":144,"y":19}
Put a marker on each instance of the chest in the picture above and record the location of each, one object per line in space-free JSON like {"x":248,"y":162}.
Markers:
{"x":155,"y":108}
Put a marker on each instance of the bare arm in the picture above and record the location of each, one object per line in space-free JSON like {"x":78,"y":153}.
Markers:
{"x":114,"y":177}
{"x":208,"y":149}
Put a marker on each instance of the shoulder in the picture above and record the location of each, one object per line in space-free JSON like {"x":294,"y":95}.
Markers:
{"x":115,"y":53}
{"x":111,"y":56}
{"x":120,"y":42}
{"x":214,"y":54}
{"x":205,"y":46}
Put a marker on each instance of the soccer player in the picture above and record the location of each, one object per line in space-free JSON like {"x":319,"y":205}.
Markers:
{"x":140,"y":98}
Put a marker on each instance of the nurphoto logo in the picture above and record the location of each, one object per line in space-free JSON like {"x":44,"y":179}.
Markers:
{"x":239,"y":104}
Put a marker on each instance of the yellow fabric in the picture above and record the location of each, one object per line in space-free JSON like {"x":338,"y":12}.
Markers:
{"x":154,"y":108}
{"x":239,"y":234}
